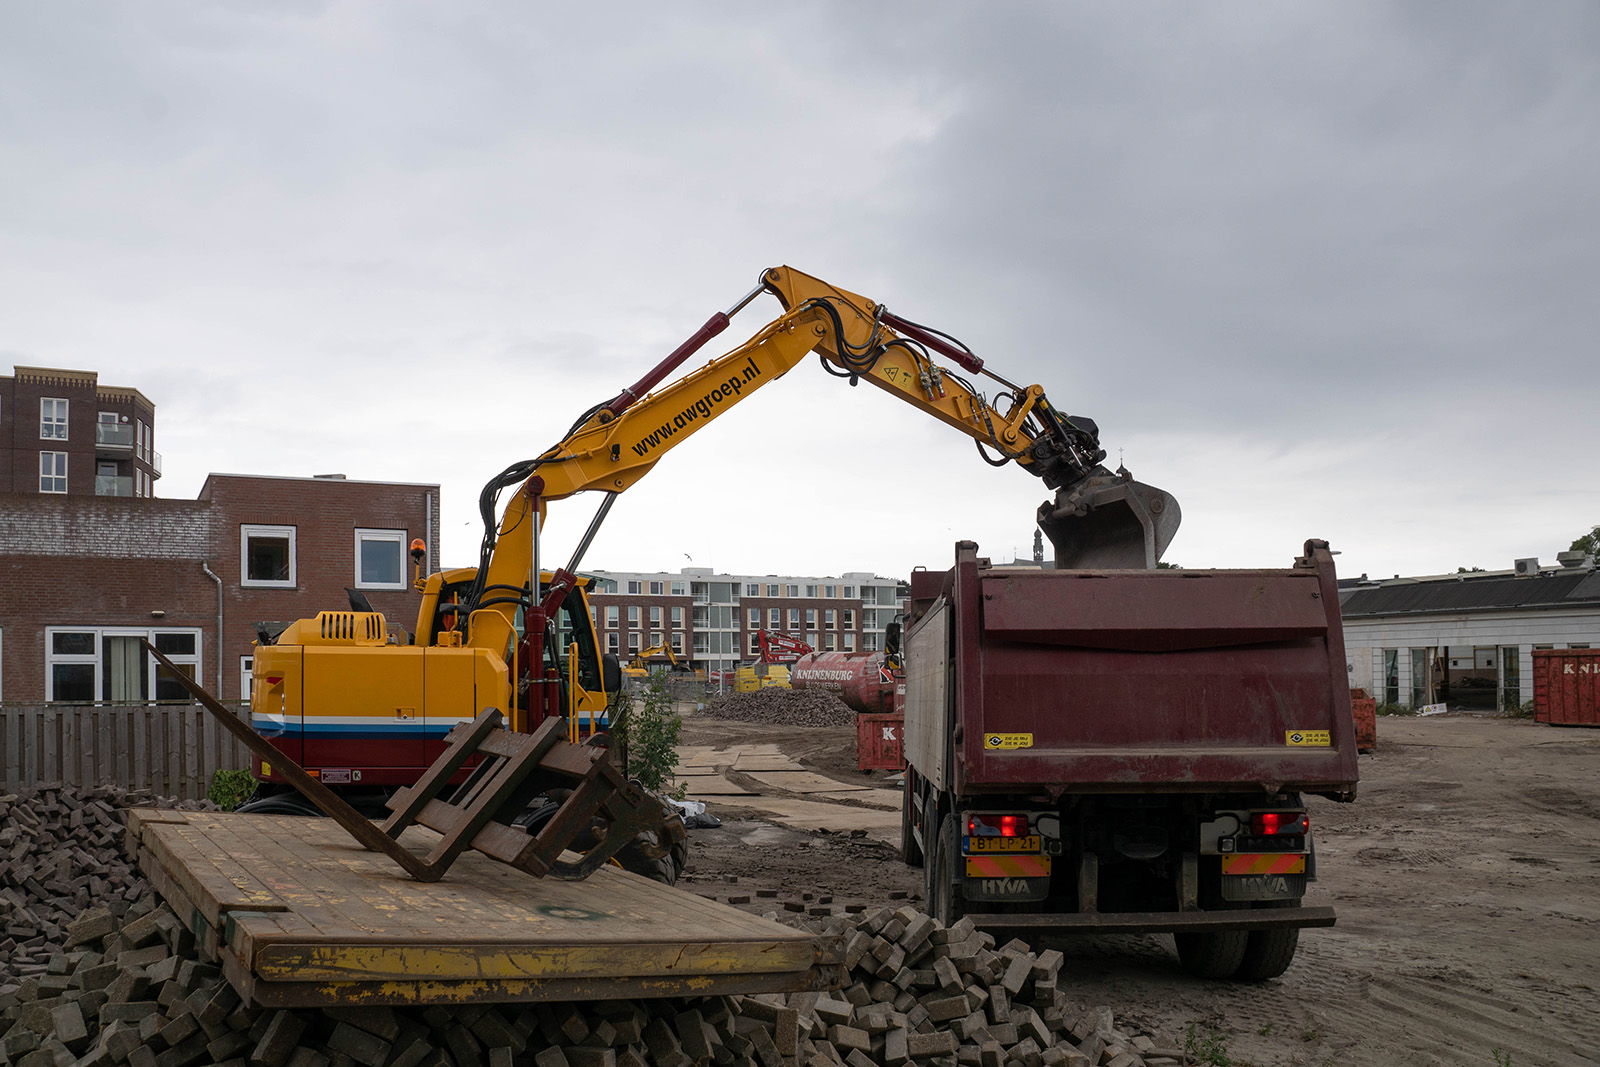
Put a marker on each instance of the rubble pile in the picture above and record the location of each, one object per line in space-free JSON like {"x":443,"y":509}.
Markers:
{"x":61,"y":848}
{"x":775,"y":706}
{"x":128,"y":988}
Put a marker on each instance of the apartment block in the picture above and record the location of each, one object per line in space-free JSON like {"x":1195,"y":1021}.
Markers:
{"x":711,"y":619}
{"x":62,"y":433}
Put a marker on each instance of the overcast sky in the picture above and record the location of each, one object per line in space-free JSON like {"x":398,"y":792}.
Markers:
{"x":1319,"y":270}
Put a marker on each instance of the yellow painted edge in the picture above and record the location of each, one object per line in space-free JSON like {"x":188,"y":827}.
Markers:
{"x":369,"y":963}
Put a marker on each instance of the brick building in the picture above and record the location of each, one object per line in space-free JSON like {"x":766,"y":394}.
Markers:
{"x":62,"y":433}
{"x":86,"y":577}
{"x":711,"y":619}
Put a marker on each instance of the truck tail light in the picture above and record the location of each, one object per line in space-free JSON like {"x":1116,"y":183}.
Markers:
{"x":997,"y":825}
{"x":1276,"y":823}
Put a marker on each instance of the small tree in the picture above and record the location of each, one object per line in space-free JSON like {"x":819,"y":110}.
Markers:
{"x":1588,"y":543}
{"x":647,"y":731}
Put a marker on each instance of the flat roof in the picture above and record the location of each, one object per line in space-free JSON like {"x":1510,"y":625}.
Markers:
{"x":1567,"y":589}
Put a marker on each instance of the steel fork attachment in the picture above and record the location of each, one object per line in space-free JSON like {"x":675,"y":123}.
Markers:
{"x":513,"y":770}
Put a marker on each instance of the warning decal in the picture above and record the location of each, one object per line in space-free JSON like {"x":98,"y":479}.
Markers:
{"x":1308,"y":738}
{"x":1001,"y":742}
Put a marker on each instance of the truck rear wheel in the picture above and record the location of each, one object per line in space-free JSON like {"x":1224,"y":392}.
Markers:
{"x":1268,"y":953}
{"x":1215,"y":954}
{"x":945,"y":873}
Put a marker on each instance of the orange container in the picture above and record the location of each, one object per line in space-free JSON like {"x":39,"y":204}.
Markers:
{"x":1365,"y":709}
{"x":879,"y":746}
{"x":1566,"y":686}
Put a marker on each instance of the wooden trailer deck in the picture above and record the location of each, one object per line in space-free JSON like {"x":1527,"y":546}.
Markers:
{"x":300,"y":915}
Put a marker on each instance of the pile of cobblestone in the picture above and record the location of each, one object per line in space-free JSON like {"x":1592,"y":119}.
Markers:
{"x":782,"y":707}
{"x":61,"y":849}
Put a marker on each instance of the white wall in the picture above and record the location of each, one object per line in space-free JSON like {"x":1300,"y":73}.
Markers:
{"x":1365,"y":638}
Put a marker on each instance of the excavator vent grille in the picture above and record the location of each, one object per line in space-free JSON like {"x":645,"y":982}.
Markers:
{"x":351,"y":626}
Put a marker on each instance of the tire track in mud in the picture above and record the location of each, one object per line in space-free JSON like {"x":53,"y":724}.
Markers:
{"x":1474,"y":1024}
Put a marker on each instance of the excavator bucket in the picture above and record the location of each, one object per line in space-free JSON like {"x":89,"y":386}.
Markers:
{"x":1108,"y":521}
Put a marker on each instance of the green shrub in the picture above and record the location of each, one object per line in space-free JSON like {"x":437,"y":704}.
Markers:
{"x":1521,"y":711}
{"x":229,"y":789}
{"x":1396,"y":709}
{"x":647,"y":731}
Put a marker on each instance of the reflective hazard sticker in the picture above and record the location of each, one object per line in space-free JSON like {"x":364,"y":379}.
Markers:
{"x":1280,"y":864}
{"x":1000,"y":742}
{"x":1308,"y":738}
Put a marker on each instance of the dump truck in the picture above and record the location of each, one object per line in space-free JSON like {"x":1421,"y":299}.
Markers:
{"x":1127,"y":750}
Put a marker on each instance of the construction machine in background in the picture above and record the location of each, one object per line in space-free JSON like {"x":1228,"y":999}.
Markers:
{"x":365,"y":709}
{"x":655,"y":656}
{"x":775,"y":653}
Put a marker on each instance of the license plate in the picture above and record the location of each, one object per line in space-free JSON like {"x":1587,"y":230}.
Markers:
{"x":1004,"y":844}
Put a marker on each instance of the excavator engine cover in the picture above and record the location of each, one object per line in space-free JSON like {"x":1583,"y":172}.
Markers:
{"x":1110,"y":522}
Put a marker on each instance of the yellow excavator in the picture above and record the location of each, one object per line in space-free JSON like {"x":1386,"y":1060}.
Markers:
{"x":655,"y":656}
{"x":344,"y":699}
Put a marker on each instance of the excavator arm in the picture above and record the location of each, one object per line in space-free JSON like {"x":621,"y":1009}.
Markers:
{"x":617,"y":442}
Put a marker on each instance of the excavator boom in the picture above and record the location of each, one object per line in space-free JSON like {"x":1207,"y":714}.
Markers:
{"x":1098,"y":518}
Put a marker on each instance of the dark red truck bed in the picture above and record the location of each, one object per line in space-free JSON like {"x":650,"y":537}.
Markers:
{"x":1160,"y":681}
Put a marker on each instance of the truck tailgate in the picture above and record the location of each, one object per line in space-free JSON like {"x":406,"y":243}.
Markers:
{"x":1176,"y":680}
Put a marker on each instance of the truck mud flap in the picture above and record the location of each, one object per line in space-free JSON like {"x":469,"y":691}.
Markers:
{"x":1154,"y":922}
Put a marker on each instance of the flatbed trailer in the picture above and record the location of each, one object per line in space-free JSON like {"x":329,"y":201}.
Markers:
{"x":299,"y":915}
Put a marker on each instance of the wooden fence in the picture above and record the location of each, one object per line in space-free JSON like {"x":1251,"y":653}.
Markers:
{"x":172,"y":749}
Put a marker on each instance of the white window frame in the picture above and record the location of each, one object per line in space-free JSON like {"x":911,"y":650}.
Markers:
{"x":613,"y":642}
{"x":364,"y":534}
{"x":247,"y":531}
{"x":772,"y":590}
{"x":633,"y":641}
{"x":53,"y":427}
{"x":97,"y":658}
{"x":635,"y":588}
{"x":849,"y":642}
{"x":633,"y":615}
{"x":247,"y":670}
{"x":611,"y":616}
{"x":677,"y":642}
{"x":655,"y":619}
{"x":678,"y":589}
{"x":53,"y":476}
{"x":657,"y":588}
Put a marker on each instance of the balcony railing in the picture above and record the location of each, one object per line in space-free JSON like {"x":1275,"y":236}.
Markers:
{"x":113,"y":437}
{"x":110,"y":485}
{"x":155,"y":463}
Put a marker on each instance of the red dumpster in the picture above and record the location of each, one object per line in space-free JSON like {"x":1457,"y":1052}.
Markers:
{"x":1566,"y":686}
{"x":1365,"y":709}
{"x":878,"y":742}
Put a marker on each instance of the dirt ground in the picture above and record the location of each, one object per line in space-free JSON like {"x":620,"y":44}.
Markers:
{"x":1466,"y":877}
